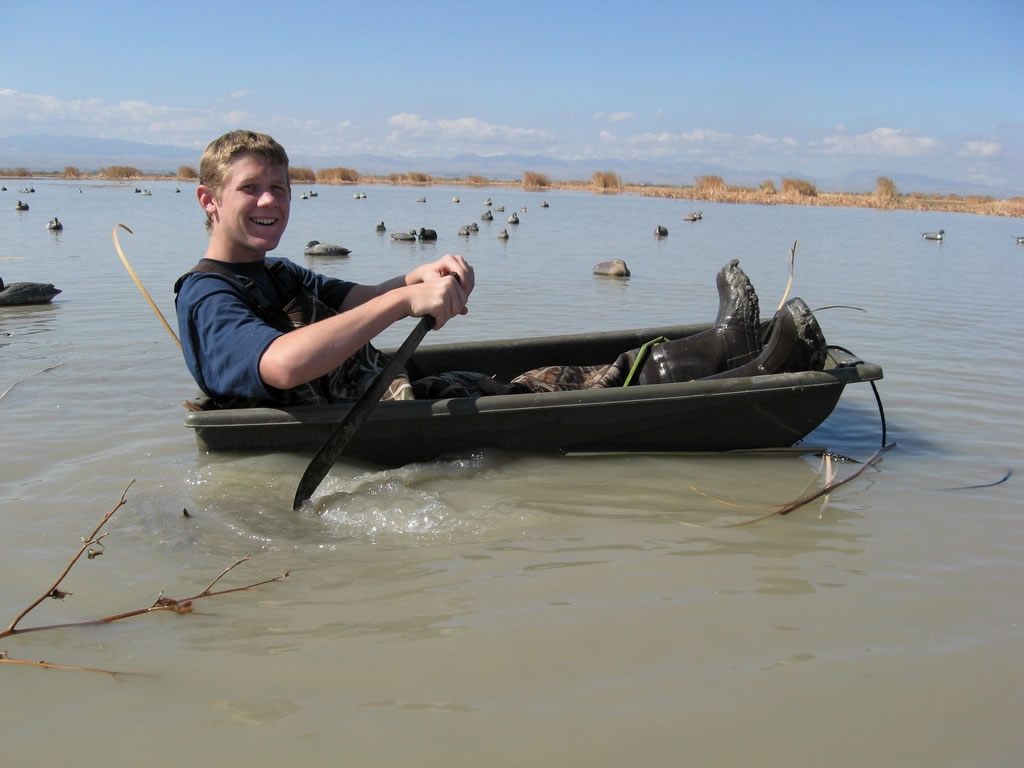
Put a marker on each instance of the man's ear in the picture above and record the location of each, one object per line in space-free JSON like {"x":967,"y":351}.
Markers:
{"x":207,"y":199}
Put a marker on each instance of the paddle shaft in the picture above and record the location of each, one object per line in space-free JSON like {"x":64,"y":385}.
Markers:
{"x":335,"y":444}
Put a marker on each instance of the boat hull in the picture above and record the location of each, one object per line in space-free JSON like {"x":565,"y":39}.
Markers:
{"x":723,"y":414}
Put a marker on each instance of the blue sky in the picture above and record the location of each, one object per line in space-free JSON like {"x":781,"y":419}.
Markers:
{"x":815,"y":88}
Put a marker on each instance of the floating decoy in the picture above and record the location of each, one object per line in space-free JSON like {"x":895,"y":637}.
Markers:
{"x":934,"y":235}
{"x":17,"y":294}
{"x":21,"y":206}
{"x":464,"y":232}
{"x":503,"y":235}
{"x":513,"y":219}
{"x":544,"y":204}
{"x":455,"y":199}
{"x":316,"y":248}
{"x":410,"y":235}
{"x":487,"y":201}
{"x":473,"y":227}
{"x":380,"y":227}
{"x":693,"y":216}
{"x":499,"y":208}
{"x":614,"y":268}
{"x":660,"y":231}
{"x":486,"y":216}
{"x":1020,"y":240}
{"x":421,"y":199}
{"x":54,"y":225}
{"x":427,"y":234}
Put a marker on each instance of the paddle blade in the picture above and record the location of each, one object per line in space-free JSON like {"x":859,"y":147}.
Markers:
{"x":334,"y":445}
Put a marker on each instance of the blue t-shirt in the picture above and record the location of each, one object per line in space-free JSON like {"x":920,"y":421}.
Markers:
{"x":223,"y":339}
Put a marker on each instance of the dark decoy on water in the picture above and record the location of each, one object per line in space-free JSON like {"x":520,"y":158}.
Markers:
{"x":1020,"y":240}
{"x":934,"y":235}
{"x":26,"y":293}
{"x":21,"y":206}
{"x":410,"y":235}
{"x":660,"y":231}
{"x":54,"y":224}
{"x":380,"y":227}
{"x":427,"y":234}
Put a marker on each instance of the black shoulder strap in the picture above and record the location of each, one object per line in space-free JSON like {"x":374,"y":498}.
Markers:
{"x":264,"y":306}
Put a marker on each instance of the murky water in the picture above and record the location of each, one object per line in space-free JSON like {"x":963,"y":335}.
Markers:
{"x":510,"y":610}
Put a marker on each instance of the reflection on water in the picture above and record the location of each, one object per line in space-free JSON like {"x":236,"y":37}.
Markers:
{"x":580,"y":597}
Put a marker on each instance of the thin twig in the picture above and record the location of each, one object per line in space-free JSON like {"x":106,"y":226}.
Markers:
{"x":789,"y":284}
{"x":141,"y":287}
{"x":43,"y":370}
{"x":785,"y":509}
{"x":86,"y":543}
{"x":5,"y":659}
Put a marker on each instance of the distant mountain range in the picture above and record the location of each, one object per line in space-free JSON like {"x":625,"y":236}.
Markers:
{"x":54,"y":153}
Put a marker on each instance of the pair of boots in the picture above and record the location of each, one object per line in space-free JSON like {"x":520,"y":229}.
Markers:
{"x":733,"y":346}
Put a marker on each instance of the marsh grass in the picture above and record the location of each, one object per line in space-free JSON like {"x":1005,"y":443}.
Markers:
{"x":799,"y":187}
{"x":121,"y":172}
{"x":606,"y":181}
{"x":337,"y":175}
{"x":534,"y":180}
{"x":187,"y":173}
{"x":301,"y":175}
{"x":712,"y":188}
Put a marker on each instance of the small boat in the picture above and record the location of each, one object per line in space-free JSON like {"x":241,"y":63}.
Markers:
{"x":770,"y":411}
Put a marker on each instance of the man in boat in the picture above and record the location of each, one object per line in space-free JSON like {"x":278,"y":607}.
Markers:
{"x":257,"y":330}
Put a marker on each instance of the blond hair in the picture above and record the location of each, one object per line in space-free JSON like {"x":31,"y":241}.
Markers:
{"x":215,"y":165}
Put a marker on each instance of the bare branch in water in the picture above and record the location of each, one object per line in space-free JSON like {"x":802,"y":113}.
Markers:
{"x":89,"y":544}
{"x":1000,"y":481}
{"x":42,"y":370}
{"x":802,"y":500}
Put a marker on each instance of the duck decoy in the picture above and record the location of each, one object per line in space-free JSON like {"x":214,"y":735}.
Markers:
{"x":455,"y":199}
{"x":503,"y":235}
{"x":693,"y":216}
{"x":487,"y":201}
{"x":21,"y":206}
{"x":1020,"y":240}
{"x":660,"y":231}
{"x":499,"y":208}
{"x":380,"y":227}
{"x":513,"y":219}
{"x":486,"y":216}
{"x":316,"y":248}
{"x":17,"y":294}
{"x":427,"y":234}
{"x":934,"y":235}
{"x":545,"y":204}
{"x":410,"y":235}
{"x":421,"y":199}
{"x":54,"y":225}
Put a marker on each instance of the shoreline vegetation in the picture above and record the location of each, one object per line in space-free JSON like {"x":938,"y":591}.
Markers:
{"x":790,"y":191}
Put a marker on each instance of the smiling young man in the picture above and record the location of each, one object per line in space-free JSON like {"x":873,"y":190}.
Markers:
{"x":256,"y":329}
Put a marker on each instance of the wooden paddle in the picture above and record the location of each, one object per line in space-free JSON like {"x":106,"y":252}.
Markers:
{"x":335,"y":444}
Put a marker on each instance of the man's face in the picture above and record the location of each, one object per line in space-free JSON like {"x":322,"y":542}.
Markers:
{"x":251,"y":212}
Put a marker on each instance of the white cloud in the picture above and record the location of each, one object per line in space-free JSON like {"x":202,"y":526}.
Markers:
{"x":613,"y":117}
{"x":461,"y":135}
{"x":978,"y":148}
{"x":892,"y":142}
